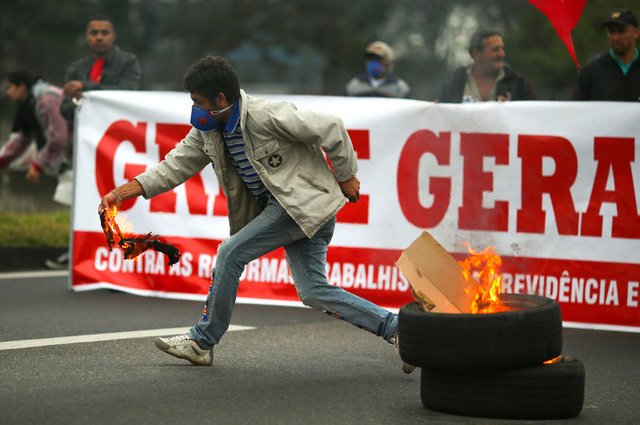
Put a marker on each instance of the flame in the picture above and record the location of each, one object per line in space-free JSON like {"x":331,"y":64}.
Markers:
{"x":118,"y":224}
{"x":481,"y":270}
{"x":558,"y":359}
{"x":119,"y":232}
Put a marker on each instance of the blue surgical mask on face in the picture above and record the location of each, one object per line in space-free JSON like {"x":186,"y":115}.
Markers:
{"x":375,"y":68}
{"x":205,"y":120}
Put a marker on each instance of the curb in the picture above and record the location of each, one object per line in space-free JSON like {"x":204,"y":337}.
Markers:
{"x":23,"y":258}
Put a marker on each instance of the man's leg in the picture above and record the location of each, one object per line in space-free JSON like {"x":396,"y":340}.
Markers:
{"x":271,"y":229}
{"x":307,"y":260}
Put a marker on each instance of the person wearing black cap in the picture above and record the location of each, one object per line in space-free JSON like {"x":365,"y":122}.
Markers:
{"x":614,"y":75}
{"x":379,"y":79}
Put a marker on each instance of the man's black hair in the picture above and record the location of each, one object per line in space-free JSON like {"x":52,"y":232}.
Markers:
{"x":101,"y":17}
{"x":212,"y":75}
{"x":25,"y":120}
{"x":21,"y":76}
{"x":477,"y":40}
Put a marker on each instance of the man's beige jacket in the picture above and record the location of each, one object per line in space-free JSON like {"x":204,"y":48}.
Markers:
{"x":285,"y":146}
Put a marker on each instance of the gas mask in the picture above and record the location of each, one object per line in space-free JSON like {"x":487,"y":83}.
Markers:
{"x":205,"y":120}
{"x":375,"y":69}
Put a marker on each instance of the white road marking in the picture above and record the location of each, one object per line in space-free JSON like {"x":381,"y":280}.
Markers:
{"x":35,"y":274}
{"x":78,"y":339}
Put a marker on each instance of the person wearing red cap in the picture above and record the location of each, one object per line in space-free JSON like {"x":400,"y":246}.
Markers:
{"x":379,"y":79}
{"x":614,"y":75}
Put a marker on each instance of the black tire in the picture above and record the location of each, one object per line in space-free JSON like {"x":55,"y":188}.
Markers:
{"x":526,"y":336}
{"x":547,"y":391}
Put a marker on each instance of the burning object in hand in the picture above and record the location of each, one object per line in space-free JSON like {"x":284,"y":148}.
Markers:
{"x":132,"y":244}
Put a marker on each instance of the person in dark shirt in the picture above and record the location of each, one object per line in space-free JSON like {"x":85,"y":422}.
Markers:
{"x":488,"y":78}
{"x":106,"y":67}
{"x":614,"y":75}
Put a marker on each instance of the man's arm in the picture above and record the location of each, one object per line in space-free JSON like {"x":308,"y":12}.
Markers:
{"x":453,"y":89}
{"x":314,"y":128}
{"x":131,"y":75}
{"x":129,"y":190}
{"x":56,"y":132}
{"x":582,"y":91}
{"x":15,"y":146}
{"x":128,"y":79}
{"x":351,"y":189}
{"x":180,"y":164}
{"x":72,"y":89}
{"x":528,"y":93}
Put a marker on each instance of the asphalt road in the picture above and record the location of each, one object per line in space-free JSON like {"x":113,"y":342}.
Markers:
{"x":296,"y":366}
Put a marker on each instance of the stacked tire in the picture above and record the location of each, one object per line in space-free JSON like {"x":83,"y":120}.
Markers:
{"x":497,"y":365}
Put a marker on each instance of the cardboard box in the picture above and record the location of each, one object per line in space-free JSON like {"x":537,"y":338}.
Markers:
{"x":435,"y":276}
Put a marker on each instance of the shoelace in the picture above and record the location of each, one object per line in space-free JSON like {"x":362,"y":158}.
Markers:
{"x":178,"y":338}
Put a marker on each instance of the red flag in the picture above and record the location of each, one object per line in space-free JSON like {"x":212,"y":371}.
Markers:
{"x":564,"y":15}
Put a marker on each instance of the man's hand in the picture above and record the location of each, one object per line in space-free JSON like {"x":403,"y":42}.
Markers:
{"x":110,"y":200}
{"x":33,"y":175}
{"x":115,"y":197}
{"x":351,"y":189}
{"x":73,"y":89}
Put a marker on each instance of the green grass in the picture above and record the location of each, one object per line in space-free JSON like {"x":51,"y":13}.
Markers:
{"x":49,"y":229}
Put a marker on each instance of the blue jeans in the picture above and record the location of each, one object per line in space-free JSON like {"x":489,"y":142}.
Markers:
{"x":271,"y":229}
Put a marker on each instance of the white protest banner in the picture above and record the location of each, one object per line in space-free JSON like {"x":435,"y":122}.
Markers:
{"x":552,"y":186}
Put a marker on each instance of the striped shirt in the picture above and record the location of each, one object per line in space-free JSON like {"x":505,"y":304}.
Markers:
{"x":234,"y":149}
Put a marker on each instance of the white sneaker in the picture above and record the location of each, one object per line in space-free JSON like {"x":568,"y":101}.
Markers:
{"x":60,"y":263}
{"x":184,"y":347}
{"x":406,"y":367}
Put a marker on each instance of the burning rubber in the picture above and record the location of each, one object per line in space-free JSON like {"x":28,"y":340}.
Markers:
{"x":528,"y":334}
{"x":498,"y":365}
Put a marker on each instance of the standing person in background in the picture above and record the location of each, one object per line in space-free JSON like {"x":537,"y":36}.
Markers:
{"x":269,"y":160}
{"x":379,"y":80}
{"x":489,"y":77}
{"x":37,"y":118}
{"x":106,"y":67}
{"x":614,"y":75}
